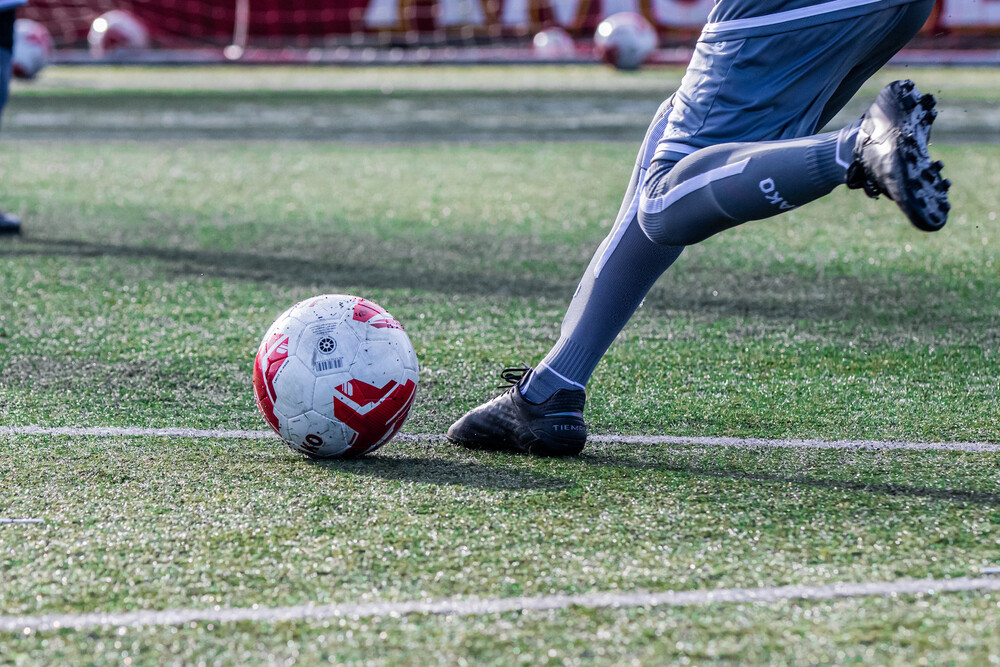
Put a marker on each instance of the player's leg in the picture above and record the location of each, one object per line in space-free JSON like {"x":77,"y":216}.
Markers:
{"x":806,"y":168}
{"x":9,"y":224}
{"x":723,"y":186}
{"x":727,"y":184}
{"x":621,"y":272}
{"x":892,"y":157}
{"x":892,"y":154}
{"x":511,"y":421}
{"x":909,"y":22}
{"x":542,"y":410}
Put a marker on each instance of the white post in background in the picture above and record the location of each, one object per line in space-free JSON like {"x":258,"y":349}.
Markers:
{"x":240,"y":29}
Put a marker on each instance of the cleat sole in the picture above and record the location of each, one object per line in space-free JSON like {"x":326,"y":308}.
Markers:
{"x":912,"y":180}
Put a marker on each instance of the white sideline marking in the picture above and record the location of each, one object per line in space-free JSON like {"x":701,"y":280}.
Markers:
{"x":793,"y":443}
{"x":135,"y":432}
{"x":466,"y":607}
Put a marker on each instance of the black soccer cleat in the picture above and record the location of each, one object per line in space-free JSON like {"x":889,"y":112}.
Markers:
{"x":509,"y":423}
{"x":891,"y":156}
{"x":9,"y":224}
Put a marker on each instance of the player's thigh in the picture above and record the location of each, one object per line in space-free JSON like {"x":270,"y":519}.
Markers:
{"x":778,"y":86}
{"x":901,"y":27}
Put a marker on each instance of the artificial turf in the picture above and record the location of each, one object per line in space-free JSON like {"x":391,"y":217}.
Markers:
{"x":148,"y":272}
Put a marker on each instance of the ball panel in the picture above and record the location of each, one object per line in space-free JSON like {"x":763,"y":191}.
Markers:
{"x":327,"y":346}
{"x":377,"y":363}
{"x":271,"y":355}
{"x":373,"y":414}
{"x":374,"y":315}
{"x":313,"y":434}
{"x":401,"y":344}
{"x":294,"y":384}
{"x":407,"y":354}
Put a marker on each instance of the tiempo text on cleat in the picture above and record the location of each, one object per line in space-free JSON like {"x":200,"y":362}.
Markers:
{"x":510,"y":423}
{"x":891,"y":156}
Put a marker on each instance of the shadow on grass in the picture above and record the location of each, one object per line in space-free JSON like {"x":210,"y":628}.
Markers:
{"x":522,"y":267}
{"x":442,"y":472}
{"x":971,"y":496}
{"x":346,"y":261}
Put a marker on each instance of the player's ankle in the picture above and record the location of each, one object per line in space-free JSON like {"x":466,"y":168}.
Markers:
{"x":543,"y":383}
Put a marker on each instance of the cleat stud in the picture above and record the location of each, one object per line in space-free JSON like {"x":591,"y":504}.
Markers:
{"x":928,"y":101}
{"x":937,"y":166}
{"x":909,"y":104}
{"x":945,"y":207}
{"x":945,"y":185}
{"x":929,"y":117}
{"x":906,"y":85}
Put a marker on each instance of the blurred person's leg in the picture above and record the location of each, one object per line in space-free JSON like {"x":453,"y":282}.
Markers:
{"x":9,"y":224}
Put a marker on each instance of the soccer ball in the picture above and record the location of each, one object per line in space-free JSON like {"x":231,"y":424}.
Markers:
{"x":553,"y":44}
{"x":32,"y":48}
{"x":335,"y":376}
{"x":625,"y":40}
{"x":117,"y":33}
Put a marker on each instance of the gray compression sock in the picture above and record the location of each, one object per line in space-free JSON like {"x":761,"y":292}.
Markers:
{"x":723,"y":186}
{"x":622,"y":270}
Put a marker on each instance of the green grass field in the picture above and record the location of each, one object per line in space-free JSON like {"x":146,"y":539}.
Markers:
{"x":149,"y":270}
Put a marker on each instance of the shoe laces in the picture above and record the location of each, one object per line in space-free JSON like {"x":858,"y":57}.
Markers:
{"x":513,"y":376}
{"x":859,"y":178}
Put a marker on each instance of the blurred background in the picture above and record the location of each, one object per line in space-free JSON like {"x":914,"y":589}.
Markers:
{"x":345,"y":31}
{"x":388,"y":71}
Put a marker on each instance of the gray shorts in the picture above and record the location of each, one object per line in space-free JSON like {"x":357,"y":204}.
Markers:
{"x":782,"y":85}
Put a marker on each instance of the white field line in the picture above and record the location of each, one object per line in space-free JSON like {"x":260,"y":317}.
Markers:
{"x":793,"y":443}
{"x":466,"y":607}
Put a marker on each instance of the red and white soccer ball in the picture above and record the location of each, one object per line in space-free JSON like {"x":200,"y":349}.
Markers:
{"x":32,"y":48}
{"x":553,"y":44}
{"x":335,"y":376}
{"x":117,"y":33}
{"x":625,"y":40}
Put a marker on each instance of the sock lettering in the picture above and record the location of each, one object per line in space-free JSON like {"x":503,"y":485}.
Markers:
{"x":772,"y":195}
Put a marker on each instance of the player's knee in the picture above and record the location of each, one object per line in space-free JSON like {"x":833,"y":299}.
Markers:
{"x":656,"y":218}
{"x":652,"y":226}
{"x":666,"y":230}
{"x":654,"y":185}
